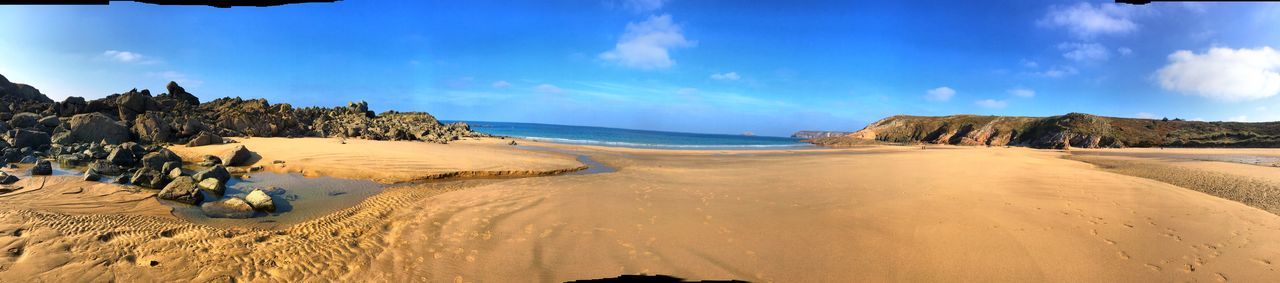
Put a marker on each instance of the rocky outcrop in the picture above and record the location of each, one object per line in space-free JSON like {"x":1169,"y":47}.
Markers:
{"x":204,"y":138}
{"x":237,"y":156}
{"x":1066,"y":131}
{"x":212,"y":185}
{"x":95,"y":127}
{"x":42,"y":167}
{"x":12,"y":92}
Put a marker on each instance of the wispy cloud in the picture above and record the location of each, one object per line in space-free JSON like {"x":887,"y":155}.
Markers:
{"x":939,"y":94}
{"x":730,"y":76}
{"x":127,"y":57}
{"x":501,"y":84}
{"x":639,"y":6}
{"x":1084,"y":52}
{"x":1223,"y":73}
{"x":1086,"y":21}
{"x":547,"y":88}
{"x":647,"y":45}
{"x":1022,"y":92}
{"x":1056,"y":72}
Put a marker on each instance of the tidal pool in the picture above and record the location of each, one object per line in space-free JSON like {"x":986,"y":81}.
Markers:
{"x":297,"y":199}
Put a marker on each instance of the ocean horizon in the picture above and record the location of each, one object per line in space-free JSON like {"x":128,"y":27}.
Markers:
{"x":632,"y":138}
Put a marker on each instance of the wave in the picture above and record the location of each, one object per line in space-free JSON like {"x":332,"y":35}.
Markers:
{"x":668,"y":146}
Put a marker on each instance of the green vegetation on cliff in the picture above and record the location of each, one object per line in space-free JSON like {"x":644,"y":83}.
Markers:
{"x":1073,"y":129}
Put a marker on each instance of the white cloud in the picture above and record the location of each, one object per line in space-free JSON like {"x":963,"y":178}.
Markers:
{"x":940,"y":94}
{"x":1022,"y":92}
{"x":730,"y":76}
{"x":1124,"y":51}
{"x":1086,"y":21}
{"x":687,"y":91}
{"x":547,"y":88}
{"x":646,"y":45}
{"x":641,"y":6}
{"x":1223,"y":73}
{"x":501,"y":84}
{"x":1145,"y":115}
{"x":992,"y":103}
{"x":1084,"y":52}
{"x":1197,"y":119}
{"x":1057,"y":72}
{"x":1241,"y":118}
{"x":126,"y":57}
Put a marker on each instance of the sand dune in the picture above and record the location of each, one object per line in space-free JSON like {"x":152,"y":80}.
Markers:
{"x":868,"y":214}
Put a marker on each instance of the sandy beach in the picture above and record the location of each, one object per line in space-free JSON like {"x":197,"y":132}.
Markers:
{"x":877,"y":213}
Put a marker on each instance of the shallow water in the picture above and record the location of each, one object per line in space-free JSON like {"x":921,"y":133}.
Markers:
{"x":633,"y":138}
{"x":593,"y":167}
{"x":302,"y":198}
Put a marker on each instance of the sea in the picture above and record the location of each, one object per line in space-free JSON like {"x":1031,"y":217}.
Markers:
{"x":603,"y":136}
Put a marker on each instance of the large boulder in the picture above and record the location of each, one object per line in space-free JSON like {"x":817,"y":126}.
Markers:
{"x":156,"y":160}
{"x":177,"y":92}
{"x":24,"y":120}
{"x":204,"y":138}
{"x":148,"y":178}
{"x":132,"y":103}
{"x":152,"y":128}
{"x":216,"y":172}
{"x":122,"y":156}
{"x":42,"y":167}
{"x":95,"y":127}
{"x":260,"y":201}
{"x":71,"y":106}
{"x":6,"y":179}
{"x":27,"y":138}
{"x":50,"y":122}
{"x":182,"y":189}
{"x":237,"y":156}
{"x":213,"y":186}
{"x":104,"y":167}
{"x":231,"y":207}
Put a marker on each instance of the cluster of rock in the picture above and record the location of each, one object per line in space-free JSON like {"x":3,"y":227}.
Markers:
{"x":123,"y":136}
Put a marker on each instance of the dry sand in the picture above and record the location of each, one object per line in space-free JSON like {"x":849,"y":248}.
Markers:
{"x":866,"y":214}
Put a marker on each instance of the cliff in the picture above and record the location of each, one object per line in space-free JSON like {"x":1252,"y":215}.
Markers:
{"x":1070,"y":130}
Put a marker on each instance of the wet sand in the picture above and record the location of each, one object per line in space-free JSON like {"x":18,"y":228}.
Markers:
{"x":862,"y":214}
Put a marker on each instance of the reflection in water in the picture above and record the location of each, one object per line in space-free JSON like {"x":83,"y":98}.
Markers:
{"x":296,"y":198}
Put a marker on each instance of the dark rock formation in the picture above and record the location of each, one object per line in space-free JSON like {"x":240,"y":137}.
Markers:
{"x":182,"y":189}
{"x":95,"y":127}
{"x":204,"y":138}
{"x":216,"y":172}
{"x":237,"y":156}
{"x":42,"y":167}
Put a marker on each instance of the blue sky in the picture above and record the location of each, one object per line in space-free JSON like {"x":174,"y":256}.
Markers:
{"x":769,"y":67}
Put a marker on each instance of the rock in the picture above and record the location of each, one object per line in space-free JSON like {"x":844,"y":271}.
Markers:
{"x":43,"y":167}
{"x":204,"y":138}
{"x":213,"y":186}
{"x":71,"y":106}
{"x":182,"y":189}
{"x":122,"y":179}
{"x":237,"y":156}
{"x":231,"y":207}
{"x":27,"y":138}
{"x":69,"y":160}
{"x":24,"y":120}
{"x":6,"y":179}
{"x":148,"y":178}
{"x":177,"y":92}
{"x":151,"y":128}
{"x":216,"y":172}
{"x":132,"y":103}
{"x":175,"y":173}
{"x":260,"y":201}
{"x":209,"y":160}
{"x":92,"y":176}
{"x":50,"y":122}
{"x":12,"y":155}
{"x":95,"y":127}
{"x":169,"y":166}
{"x":122,"y":156}
{"x":104,"y":167}
{"x":29,"y":159}
{"x":157,"y":159}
